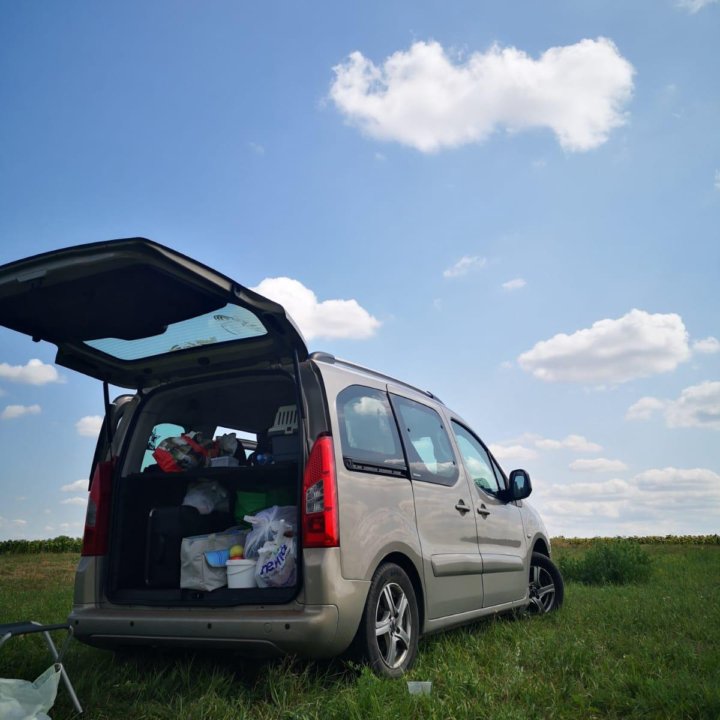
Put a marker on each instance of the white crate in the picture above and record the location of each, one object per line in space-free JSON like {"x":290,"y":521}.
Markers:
{"x":286,"y":421}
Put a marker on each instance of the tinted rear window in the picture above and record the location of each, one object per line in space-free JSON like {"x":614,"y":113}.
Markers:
{"x":368,"y":432}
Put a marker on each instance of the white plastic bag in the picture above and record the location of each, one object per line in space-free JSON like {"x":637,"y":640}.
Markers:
{"x":25,"y":700}
{"x":266,"y":525}
{"x":277,"y":559}
{"x":207,"y":496}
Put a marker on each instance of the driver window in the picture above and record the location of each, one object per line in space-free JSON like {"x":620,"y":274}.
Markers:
{"x":477,"y":461}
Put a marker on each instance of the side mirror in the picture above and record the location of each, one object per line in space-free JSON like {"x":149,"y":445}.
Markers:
{"x":520,"y":485}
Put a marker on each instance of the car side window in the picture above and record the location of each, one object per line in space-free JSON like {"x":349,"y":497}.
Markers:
{"x":477,"y":461}
{"x":427,"y":444}
{"x":368,"y":432}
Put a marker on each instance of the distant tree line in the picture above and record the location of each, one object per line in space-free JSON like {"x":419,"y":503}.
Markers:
{"x":60,"y":544}
{"x":647,"y":540}
{"x":65,"y":544}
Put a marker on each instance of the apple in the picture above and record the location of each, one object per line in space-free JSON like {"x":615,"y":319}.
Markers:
{"x":236,"y":552}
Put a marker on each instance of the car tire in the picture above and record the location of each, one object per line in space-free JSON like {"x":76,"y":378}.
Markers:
{"x":546,"y":589}
{"x":387,"y":639}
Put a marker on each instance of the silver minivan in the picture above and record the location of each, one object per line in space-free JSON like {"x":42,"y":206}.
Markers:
{"x":401,"y":521}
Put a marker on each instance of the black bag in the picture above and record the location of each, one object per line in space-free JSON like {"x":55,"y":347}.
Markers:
{"x":166,"y":528}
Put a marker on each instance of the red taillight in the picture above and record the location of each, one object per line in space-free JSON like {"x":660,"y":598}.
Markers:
{"x":97,"y":518}
{"x":319,"y":503}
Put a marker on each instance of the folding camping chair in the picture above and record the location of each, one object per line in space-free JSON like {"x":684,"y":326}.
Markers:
{"x":30,"y":626}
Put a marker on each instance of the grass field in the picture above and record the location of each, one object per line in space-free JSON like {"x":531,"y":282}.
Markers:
{"x":635,"y":651}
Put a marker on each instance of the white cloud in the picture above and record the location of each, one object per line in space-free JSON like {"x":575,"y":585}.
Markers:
{"x":76,"y":486}
{"x":256,"y":148}
{"x":422,"y":98}
{"x":653,"y":502}
{"x":697,"y":406}
{"x":74,"y":501}
{"x":69,"y":526}
{"x":512,"y":452}
{"x":15,"y":411}
{"x":597,"y":465}
{"x":576,"y":443}
{"x":675,"y":479}
{"x":582,"y":508}
{"x":611,"y":351}
{"x":708,"y":346}
{"x":644,"y":408}
{"x":327,"y":318}
{"x":89,"y":426}
{"x":694,"y":6}
{"x":35,"y":372}
{"x":525,"y":447}
{"x":464,"y":265}
{"x":515,"y":284}
{"x":717,"y":179}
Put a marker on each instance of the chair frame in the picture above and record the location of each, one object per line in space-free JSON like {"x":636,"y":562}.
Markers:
{"x":30,"y":626}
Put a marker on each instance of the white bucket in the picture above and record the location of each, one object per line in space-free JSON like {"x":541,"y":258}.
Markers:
{"x":241,"y":573}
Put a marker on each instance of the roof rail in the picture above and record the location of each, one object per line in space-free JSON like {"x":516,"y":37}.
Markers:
{"x":332,"y":360}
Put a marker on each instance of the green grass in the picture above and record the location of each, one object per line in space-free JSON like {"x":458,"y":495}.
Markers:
{"x":609,"y":562}
{"x":647,"y":650}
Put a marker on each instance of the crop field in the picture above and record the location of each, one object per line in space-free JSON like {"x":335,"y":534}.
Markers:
{"x":646,"y":649}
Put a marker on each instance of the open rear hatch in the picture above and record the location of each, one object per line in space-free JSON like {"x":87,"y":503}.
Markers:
{"x":135,"y":314}
{"x":209,"y":355}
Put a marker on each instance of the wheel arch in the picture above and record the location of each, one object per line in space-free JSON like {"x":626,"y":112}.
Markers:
{"x":541,"y":546}
{"x":411,"y":571}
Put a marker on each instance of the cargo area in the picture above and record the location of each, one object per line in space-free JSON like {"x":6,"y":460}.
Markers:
{"x":196,"y":460}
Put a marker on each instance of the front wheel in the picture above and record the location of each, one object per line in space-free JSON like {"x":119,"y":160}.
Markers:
{"x":546,"y":588}
{"x":390,"y":626}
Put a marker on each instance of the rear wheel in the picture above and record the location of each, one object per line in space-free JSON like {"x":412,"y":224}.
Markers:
{"x":546,"y":587}
{"x":390,"y":626}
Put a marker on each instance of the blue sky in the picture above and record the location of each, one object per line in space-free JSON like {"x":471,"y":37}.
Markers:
{"x":515,"y":205}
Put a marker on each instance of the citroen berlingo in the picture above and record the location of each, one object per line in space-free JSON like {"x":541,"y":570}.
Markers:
{"x":401,"y":522}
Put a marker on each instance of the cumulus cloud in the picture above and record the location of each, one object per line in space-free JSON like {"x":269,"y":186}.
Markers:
{"x":15,"y":411}
{"x":694,"y":6}
{"x":464,"y":265}
{"x":697,"y":406}
{"x":708,"y":346}
{"x":327,"y":318}
{"x":74,"y":501}
{"x":644,"y":408}
{"x":611,"y":351}
{"x":598,"y":465}
{"x":512,"y":452}
{"x":76,"y":486}
{"x":424,"y":98}
{"x":656,"y":501}
{"x":526,"y":446}
{"x":515,"y":284}
{"x":68,"y":526}
{"x":35,"y":372}
{"x":89,"y":426}
{"x":576,"y":443}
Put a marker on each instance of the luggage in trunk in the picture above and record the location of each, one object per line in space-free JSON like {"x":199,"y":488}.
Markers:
{"x":166,"y":527}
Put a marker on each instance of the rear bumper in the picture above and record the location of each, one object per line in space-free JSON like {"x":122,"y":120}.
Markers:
{"x":310,"y":630}
{"x":320,"y":623}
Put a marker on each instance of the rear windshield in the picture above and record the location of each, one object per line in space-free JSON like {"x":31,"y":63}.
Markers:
{"x":228,"y":324}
